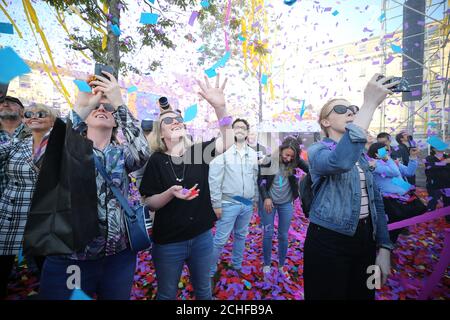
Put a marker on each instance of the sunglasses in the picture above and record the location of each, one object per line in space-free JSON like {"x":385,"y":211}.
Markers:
{"x":108,"y":107}
{"x":341,"y":109}
{"x":169,"y":120}
{"x":39,"y":114}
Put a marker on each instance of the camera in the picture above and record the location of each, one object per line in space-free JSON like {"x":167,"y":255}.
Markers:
{"x":164,"y":104}
{"x":403,"y":86}
{"x":412,"y":143}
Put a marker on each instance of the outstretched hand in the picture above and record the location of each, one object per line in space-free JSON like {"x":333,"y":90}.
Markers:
{"x":214,"y":95}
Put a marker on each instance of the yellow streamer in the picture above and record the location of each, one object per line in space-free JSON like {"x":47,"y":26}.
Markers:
{"x":105,"y":37}
{"x":33,"y":19}
{"x":11,"y":20}
{"x":78,"y":13}
{"x":60,"y":18}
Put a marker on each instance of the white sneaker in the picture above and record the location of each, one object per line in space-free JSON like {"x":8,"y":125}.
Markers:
{"x":266,"y":270}
{"x":284,"y":273}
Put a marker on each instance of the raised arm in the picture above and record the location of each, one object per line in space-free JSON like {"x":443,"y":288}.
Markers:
{"x":387,"y":169}
{"x":216,"y":98}
{"x":137,"y":151}
{"x":324,"y":161}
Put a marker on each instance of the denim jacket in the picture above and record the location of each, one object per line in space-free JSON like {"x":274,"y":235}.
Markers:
{"x":385,"y":171}
{"x":337,"y":201}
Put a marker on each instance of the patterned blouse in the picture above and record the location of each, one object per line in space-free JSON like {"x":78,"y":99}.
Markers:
{"x":119,"y":160}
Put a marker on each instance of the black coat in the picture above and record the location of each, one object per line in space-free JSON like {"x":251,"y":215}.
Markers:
{"x":63,"y":218}
{"x":438,"y":177}
{"x":265,"y":187}
{"x":401,"y":153}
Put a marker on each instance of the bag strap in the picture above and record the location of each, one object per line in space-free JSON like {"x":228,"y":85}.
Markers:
{"x":117,"y":193}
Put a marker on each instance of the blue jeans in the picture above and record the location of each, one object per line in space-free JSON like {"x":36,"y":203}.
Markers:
{"x":110,"y":278}
{"x":234,"y":217}
{"x":169,"y":260}
{"x":285,"y":212}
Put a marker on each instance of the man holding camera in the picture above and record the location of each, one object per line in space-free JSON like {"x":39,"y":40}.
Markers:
{"x":405,"y":144}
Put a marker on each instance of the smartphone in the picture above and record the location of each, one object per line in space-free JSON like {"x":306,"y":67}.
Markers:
{"x":101,"y":67}
{"x":3,"y":91}
{"x":403,"y":86}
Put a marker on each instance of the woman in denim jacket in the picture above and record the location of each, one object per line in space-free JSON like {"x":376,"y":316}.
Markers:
{"x":348,"y":222}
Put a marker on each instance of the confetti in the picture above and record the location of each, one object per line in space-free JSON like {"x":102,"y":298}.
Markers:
{"x":132,"y":89}
{"x":149,"y":18}
{"x":210,"y":73}
{"x":382,"y":152}
{"x":82,"y":85}
{"x":194,"y":16}
{"x":264,"y":79}
{"x":6,"y":28}
{"x":11,"y":65}
{"x":226,"y":121}
{"x":243,"y":200}
{"x":190,"y":113}
{"x":79,"y":294}
{"x":402,"y":183}
{"x":396,"y":49}
{"x":115,"y":29}
{"x":290,"y":2}
{"x":437,"y":143}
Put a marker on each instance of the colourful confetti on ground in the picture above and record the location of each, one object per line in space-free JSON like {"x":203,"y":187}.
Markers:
{"x":413,"y":260}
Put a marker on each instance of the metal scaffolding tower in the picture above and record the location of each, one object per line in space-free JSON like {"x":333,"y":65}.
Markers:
{"x":428,"y":116}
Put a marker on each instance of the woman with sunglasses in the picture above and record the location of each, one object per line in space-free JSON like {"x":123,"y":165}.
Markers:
{"x":347,"y":218}
{"x":279,"y":189}
{"x":175,"y":185}
{"x":107,"y":264}
{"x":21,"y":161}
{"x":399,"y":199}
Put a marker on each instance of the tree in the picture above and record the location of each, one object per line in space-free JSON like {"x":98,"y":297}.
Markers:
{"x":105,"y":46}
{"x":243,"y":29}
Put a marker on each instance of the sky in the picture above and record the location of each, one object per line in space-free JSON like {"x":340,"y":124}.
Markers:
{"x":307,"y":25}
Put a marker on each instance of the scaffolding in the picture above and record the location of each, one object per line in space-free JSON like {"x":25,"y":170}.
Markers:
{"x":428,"y":116}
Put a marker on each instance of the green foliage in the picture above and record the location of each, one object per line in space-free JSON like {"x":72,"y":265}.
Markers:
{"x":152,"y":35}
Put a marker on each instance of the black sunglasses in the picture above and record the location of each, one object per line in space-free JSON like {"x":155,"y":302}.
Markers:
{"x":341,"y":109}
{"x":108,"y":107}
{"x":38,"y":114}
{"x":169,"y":120}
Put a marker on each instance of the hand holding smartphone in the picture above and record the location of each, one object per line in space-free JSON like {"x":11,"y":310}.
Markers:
{"x":403,"y":86}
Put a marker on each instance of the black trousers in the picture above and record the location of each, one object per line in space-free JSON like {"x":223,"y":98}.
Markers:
{"x":398,"y":211}
{"x":335,"y":265}
{"x":435,"y":195}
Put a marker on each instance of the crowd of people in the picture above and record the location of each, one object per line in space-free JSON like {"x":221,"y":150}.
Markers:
{"x":200,"y":194}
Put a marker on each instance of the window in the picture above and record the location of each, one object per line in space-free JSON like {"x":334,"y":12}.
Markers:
{"x":362,"y":47}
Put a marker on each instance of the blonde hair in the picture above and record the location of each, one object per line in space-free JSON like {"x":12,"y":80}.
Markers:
{"x":155,"y":140}
{"x":325,"y":110}
{"x":52,"y":112}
